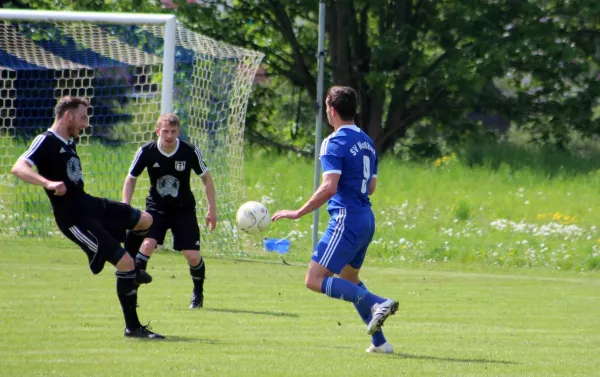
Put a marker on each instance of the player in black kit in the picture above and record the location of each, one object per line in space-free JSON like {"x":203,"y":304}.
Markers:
{"x":97,"y":225}
{"x":170,"y":162}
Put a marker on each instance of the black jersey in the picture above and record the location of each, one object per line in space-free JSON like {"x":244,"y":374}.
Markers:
{"x":56,"y":160}
{"x":169,"y":174}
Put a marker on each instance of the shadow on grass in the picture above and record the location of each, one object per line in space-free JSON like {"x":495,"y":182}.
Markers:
{"x":451,"y":359}
{"x":434,"y":358}
{"x":238,"y":311}
{"x":178,"y":339}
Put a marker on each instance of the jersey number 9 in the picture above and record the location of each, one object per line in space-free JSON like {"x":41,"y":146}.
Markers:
{"x":366,"y":173}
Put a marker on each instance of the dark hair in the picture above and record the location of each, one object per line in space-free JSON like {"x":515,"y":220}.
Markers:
{"x":344,"y":100}
{"x":170,"y":118}
{"x":69,"y":103}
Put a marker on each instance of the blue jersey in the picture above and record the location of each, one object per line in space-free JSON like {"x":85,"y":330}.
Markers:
{"x":351,"y":153}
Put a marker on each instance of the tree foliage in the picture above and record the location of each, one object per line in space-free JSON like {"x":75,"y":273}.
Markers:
{"x":420,"y":66}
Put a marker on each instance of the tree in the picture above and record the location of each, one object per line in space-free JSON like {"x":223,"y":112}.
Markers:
{"x":421,"y":66}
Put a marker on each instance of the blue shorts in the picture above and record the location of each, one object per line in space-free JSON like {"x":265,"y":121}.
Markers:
{"x":345,"y":240}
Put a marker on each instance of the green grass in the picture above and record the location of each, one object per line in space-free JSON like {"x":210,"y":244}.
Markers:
{"x":59,"y":320}
{"x":494,"y":206}
{"x":461,"y":210}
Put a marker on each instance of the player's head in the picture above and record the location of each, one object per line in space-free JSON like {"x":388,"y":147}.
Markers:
{"x":341,"y":103}
{"x":167,"y":129}
{"x":73,"y":113}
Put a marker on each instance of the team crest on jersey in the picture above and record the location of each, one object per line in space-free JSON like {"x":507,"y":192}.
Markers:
{"x":180,"y":165}
{"x":74,"y":170}
{"x":167,"y":185}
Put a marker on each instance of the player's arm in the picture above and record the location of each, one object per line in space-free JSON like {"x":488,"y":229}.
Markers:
{"x":326,"y":190}
{"x":331,"y":163}
{"x":23,"y":168}
{"x":136,"y":168}
{"x":209,"y":191}
{"x":373,"y":183}
{"x":128,"y":189}
{"x":24,"y":171}
{"x":200,"y":167}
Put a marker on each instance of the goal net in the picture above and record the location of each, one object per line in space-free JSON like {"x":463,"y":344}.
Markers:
{"x":121,"y":69}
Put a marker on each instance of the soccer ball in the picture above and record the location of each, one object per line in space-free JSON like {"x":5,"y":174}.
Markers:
{"x":252,"y":217}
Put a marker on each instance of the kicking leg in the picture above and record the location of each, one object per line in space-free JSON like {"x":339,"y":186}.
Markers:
{"x":320,"y":279}
{"x":198,"y":273}
{"x":144,"y":246}
{"x":143,"y":255}
{"x":135,"y":236}
{"x":379,"y":343}
{"x":133,"y":243}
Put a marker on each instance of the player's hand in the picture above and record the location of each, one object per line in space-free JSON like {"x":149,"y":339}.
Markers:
{"x":211,"y":220}
{"x":59,"y":188}
{"x":285,"y":214}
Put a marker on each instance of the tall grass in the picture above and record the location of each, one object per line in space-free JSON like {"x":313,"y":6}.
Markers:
{"x":495,"y":205}
{"x":498,"y":205}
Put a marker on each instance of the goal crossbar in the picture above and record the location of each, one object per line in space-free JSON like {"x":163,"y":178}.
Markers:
{"x":116,"y":18}
{"x":168,"y":20}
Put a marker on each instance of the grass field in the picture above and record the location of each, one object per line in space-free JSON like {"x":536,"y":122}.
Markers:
{"x":59,"y":320}
{"x":494,"y":258}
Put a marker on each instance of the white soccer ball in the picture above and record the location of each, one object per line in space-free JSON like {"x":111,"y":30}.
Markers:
{"x":253,"y":217}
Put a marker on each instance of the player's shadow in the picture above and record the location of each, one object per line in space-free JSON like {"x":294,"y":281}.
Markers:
{"x":451,"y":359}
{"x":238,"y":311}
{"x":182,"y":339}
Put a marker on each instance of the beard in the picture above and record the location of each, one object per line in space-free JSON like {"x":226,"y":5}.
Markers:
{"x":73,"y":130}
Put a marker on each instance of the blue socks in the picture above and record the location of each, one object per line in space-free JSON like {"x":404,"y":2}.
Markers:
{"x":377,"y":338}
{"x":362,"y":299}
{"x":345,"y":290}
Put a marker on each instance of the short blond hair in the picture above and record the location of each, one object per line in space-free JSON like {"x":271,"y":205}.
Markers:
{"x":169,"y":118}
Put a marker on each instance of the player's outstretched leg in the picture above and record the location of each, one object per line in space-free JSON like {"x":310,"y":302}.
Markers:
{"x":133,"y":241}
{"x":133,"y":244}
{"x":127,"y":293}
{"x":320,"y":279}
{"x":198,"y":273}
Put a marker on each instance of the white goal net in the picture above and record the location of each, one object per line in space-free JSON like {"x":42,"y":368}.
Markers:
{"x":120,"y":69}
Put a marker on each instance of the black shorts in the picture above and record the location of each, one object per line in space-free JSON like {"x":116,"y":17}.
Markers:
{"x":100,"y":230}
{"x":183,"y":225}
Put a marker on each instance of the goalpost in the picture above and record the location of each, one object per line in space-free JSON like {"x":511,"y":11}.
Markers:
{"x":133,"y":67}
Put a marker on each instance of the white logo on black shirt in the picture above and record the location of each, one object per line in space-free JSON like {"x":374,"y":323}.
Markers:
{"x":74,"y":170}
{"x":180,"y":165}
{"x":167,"y":185}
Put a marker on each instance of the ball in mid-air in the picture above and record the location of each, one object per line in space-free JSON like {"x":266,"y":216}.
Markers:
{"x":252,"y":217}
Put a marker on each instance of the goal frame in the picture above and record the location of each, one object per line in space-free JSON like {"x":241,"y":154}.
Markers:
{"x":168,"y":20}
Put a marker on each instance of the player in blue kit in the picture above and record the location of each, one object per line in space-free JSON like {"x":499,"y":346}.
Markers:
{"x":349,"y":162}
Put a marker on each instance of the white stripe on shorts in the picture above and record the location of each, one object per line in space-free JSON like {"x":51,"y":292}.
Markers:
{"x":335,"y":238}
{"x":92,"y":245}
